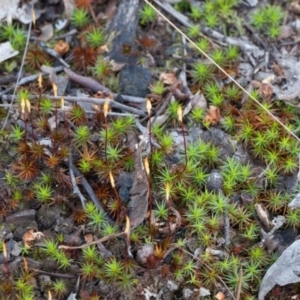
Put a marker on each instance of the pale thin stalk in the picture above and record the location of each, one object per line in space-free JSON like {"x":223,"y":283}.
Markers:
{"x":239,"y":290}
{"x":102,"y":240}
{"x":19,"y":76}
{"x":224,"y":72}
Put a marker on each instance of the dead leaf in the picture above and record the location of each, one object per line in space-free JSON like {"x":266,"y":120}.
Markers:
{"x":164,"y":227}
{"x":213,"y":116}
{"x":69,"y":7}
{"x":284,"y":271}
{"x":266,"y":91}
{"x":115,"y":66}
{"x":295,"y":7}
{"x":110,"y":10}
{"x":7,"y":51}
{"x":167,"y":78}
{"x":138,"y":204}
{"x":102,"y":49}
{"x":160,"y":120}
{"x":198,"y":101}
{"x":263,"y":215}
{"x":46,"y":32}
{"x":31,"y":236}
{"x":88,"y":238}
{"x":13,"y":9}
{"x":62,"y":47}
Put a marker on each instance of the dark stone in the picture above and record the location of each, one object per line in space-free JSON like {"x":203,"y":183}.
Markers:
{"x":21,"y":227}
{"x":124,"y":194}
{"x":125,"y":179}
{"x":241,"y":154}
{"x":47,"y":216}
{"x":134,"y":80}
{"x":281,"y":240}
{"x":124,"y":183}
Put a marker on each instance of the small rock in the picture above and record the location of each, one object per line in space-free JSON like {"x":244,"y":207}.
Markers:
{"x":5,"y":232}
{"x":296,"y":24}
{"x":214,"y":181}
{"x":172,"y":286}
{"x":199,"y":101}
{"x":21,"y":227}
{"x":65,"y":226}
{"x":187,"y":293}
{"x":241,"y":154}
{"x":252,"y":3}
{"x":124,"y":194}
{"x":124,"y":184}
{"x":124,"y":180}
{"x":260,"y":76}
{"x":45,"y":282}
{"x":246,"y":70}
{"x":134,"y":80}
{"x":17,"y":248}
{"x":280,"y":240}
{"x":47,"y":216}
{"x":286,"y":32}
{"x":204,"y":292}
{"x":144,"y":253}
{"x":74,"y":238}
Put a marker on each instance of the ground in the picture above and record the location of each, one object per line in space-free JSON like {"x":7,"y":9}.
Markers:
{"x":149,"y":154}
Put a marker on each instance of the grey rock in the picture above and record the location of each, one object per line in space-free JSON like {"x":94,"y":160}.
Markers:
{"x":124,"y":179}
{"x":65,"y":226}
{"x":124,"y":194}
{"x":284,"y":271}
{"x":227,"y":146}
{"x":241,"y":154}
{"x":187,"y":293}
{"x":214,"y":181}
{"x":252,"y":3}
{"x":45,"y":282}
{"x":246,"y":70}
{"x":47,"y":216}
{"x":21,"y":227}
{"x":17,"y":248}
{"x":134,"y":80}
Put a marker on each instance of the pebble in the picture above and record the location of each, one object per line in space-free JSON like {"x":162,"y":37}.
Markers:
{"x":214,"y":181}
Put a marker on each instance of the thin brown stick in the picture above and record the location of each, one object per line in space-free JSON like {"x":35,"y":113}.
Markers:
{"x":89,"y":100}
{"x":104,"y":239}
{"x":62,"y":275}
